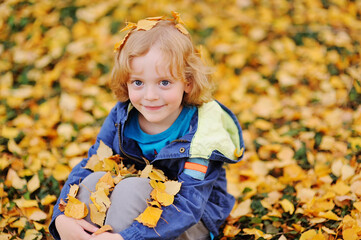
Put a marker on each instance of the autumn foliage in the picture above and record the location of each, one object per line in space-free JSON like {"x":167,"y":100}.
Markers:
{"x":290,"y":70}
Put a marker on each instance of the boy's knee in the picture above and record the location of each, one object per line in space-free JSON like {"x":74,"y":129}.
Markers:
{"x":91,"y":180}
{"x":132,"y":186}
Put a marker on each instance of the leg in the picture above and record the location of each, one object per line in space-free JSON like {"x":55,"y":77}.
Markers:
{"x":196,"y":232}
{"x":87,"y":185}
{"x":129,"y":199}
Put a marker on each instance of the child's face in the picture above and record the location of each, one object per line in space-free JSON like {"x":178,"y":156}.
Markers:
{"x":154,"y":92}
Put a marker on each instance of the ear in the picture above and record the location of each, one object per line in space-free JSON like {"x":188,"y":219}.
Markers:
{"x":188,"y":87}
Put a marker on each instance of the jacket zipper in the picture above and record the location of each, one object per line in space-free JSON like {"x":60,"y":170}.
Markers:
{"x":125,"y":154}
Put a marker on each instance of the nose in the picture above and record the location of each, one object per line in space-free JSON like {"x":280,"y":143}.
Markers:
{"x":151,"y":93}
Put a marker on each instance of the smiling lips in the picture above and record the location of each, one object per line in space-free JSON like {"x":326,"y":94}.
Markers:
{"x":153,"y":107}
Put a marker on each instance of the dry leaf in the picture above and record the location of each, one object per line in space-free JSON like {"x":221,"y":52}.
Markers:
{"x":105,"y":228}
{"x":157,"y":174}
{"x":162,"y":197}
{"x":172,"y":187}
{"x":75,"y":208}
{"x":73,"y":191}
{"x":96,"y":216}
{"x":146,"y":24}
{"x":104,"y":151}
{"x":150,"y":216}
{"x":146,"y":171}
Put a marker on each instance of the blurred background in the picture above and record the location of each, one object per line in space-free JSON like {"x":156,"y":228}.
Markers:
{"x":289,"y":69}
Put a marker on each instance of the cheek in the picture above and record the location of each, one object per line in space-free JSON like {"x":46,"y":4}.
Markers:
{"x":134,"y":96}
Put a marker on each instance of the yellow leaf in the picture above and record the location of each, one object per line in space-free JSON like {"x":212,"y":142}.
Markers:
{"x":75,"y":208}
{"x":257,"y":233}
{"x":61,"y":172}
{"x":145,"y":24}
{"x":157,"y":185}
{"x":172,"y":187}
{"x":23,"y":203}
{"x":349,"y":234}
{"x":308,"y":235}
{"x":35,"y":214}
{"x":96,"y":216}
{"x":242,"y":209}
{"x":129,"y":26}
{"x":33,"y":234}
{"x":107,"y":180}
{"x":34,"y":183}
{"x":20,"y":224}
{"x":357,"y":205}
{"x":150,"y":216}
{"x":104,"y":228}
{"x":73,"y":190}
{"x":13,"y":147}
{"x":12,"y":179}
{"x":162,"y":197}
{"x":287,"y":206}
{"x":230,"y":231}
{"x":111,"y":166}
{"x":330,"y":215}
{"x":328,"y":231}
{"x":146,"y":171}
{"x":182,"y":29}
{"x":39,"y":226}
{"x":100,"y":198}
{"x":157,"y":174}
{"x":341,"y":188}
{"x":94,"y":164}
{"x":9,"y":132}
{"x":104,"y":151}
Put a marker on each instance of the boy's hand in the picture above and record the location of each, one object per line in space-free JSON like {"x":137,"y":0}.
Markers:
{"x":107,"y":236}
{"x":70,"y":228}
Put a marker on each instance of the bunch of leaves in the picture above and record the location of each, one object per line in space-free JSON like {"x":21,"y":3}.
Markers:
{"x":162,"y":195}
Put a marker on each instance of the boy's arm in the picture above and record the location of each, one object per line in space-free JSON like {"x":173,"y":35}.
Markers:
{"x":78,"y":173}
{"x":189,"y":205}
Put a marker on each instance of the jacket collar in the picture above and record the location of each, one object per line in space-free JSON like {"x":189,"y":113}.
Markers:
{"x":214,"y":134}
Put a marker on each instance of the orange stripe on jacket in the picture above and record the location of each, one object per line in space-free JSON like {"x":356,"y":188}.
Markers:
{"x":196,"y":166}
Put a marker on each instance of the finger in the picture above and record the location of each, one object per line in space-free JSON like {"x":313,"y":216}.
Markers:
{"x":87,"y":226}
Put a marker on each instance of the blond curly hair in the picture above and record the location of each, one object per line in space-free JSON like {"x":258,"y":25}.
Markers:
{"x":183,"y":60}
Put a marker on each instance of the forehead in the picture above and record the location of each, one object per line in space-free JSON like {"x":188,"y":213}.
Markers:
{"x":155,"y":59}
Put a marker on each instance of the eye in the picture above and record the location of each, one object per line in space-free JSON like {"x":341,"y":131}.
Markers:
{"x":165,"y":83}
{"x":137,"y":83}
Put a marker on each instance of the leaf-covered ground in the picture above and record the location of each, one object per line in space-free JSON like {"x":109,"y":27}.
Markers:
{"x":290,"y":70}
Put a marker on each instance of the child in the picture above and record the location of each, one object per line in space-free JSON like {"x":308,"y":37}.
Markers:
{"x":165,"y":114}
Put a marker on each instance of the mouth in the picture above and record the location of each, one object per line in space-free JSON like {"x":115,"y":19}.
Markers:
{"x":153,"y":108}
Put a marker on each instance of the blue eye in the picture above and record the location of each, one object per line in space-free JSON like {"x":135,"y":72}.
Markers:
{"x":164,"y":83}
{"x":137,"y":83}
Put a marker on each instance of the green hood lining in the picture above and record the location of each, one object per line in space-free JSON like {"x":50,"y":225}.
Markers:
{"x":216,"y":131}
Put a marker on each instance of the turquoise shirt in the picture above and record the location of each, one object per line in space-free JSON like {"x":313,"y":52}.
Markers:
{"x":152,"y":144}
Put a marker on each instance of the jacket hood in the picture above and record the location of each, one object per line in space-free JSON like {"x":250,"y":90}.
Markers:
{"x":218,"y":135}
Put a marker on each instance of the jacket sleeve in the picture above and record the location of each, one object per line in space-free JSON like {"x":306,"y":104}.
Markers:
{"x":189,"y":205}
{"x":78,"y":173}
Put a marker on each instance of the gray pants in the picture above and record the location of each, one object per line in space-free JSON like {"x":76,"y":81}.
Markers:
{"x":130,"y":197}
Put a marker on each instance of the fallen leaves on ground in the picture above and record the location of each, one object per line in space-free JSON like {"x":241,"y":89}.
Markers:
{"x":290,"y":70}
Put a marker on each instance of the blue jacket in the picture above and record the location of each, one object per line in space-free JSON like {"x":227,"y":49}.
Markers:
{"x":214,"y":134}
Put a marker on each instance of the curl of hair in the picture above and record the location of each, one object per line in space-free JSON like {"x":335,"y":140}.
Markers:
{"x":180,"y":56}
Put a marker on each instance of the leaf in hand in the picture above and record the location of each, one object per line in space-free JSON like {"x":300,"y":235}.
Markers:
{"x":105,"y":228}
